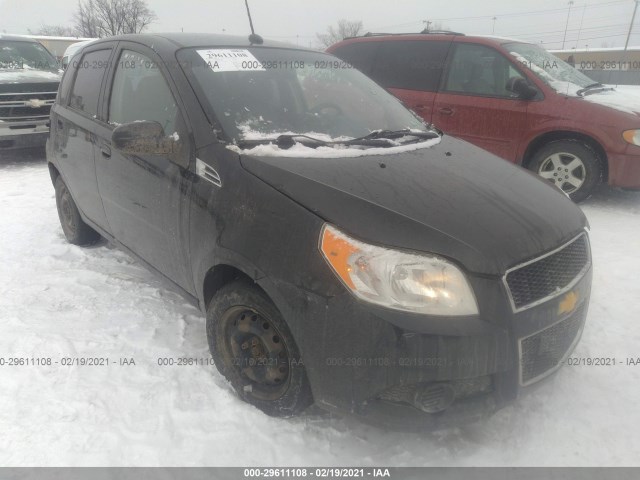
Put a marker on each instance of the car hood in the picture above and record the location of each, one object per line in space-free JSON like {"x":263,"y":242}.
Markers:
{"x":28,"y":80}
{"x":625,"y":101}
{"x":452,"y":199}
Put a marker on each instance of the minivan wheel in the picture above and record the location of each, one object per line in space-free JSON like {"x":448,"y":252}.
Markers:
{"x":254,"y":350}
{"x":74,"y":228}
{"x":572,"y":166}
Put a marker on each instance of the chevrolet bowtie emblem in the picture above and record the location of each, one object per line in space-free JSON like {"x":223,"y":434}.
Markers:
{"x":34,"y":103}
{"x":568,"y":303}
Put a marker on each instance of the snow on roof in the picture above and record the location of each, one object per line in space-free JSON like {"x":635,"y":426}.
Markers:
{"x":46,"y":37}
{"x":585,"y":50}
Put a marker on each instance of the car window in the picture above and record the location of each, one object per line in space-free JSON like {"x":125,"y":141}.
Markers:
{"x":86,"y":87}
{"x":140,"y":92}
{"x":480,"y":70}
{"x":410,"y":65}
{"x":359,"y":54}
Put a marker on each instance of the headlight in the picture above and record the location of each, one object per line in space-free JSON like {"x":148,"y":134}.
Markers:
{"x":632,"y":136}
{"x":399,"y":280}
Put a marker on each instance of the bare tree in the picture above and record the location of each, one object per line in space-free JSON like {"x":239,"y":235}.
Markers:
{"x":56,"y":31}
{"x":344,"y":29}
{"x":103,"y":18}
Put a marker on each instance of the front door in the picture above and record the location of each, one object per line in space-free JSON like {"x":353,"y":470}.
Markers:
{"x":145,"y":196}
{"x":474,"y":104}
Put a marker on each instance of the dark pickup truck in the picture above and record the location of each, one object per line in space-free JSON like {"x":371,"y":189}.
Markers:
{"x":29,"y":79}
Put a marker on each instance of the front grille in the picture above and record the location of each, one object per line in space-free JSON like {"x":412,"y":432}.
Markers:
{"x":542,"y":352}
{"x":550,"y":275}
{"x":26,"y":107}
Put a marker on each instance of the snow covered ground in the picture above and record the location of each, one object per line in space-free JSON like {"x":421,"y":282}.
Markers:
{"x":58,"y":300}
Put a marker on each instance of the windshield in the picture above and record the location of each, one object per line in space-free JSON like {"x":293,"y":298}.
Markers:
{"x":18,"y":55}
{"x":556,"y":73}
{"x":264,"y":92}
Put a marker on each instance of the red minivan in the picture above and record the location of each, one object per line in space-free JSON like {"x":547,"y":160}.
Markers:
{"x":513,"y":99}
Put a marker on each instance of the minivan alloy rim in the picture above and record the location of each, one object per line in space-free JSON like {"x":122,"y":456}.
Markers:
{"x":565,"y":170}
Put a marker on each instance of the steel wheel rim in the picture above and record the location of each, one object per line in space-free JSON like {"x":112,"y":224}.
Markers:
{"x":564,"y":170}
{"x":66,"y":212}
{"x":257,"y":352}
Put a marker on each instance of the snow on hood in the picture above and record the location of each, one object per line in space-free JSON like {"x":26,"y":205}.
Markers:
{"x":299,"y":150}
{"x":28,"y":75}
{"x":620,"y":100}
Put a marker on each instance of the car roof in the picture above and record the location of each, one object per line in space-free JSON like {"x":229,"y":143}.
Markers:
{"x":176,"y":41}
{"x":430,"y":36}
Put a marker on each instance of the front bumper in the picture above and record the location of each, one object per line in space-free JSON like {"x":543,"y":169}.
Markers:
{"x":29,"y":136}
{"x":370,"y":361}
{"x":624,"y":170}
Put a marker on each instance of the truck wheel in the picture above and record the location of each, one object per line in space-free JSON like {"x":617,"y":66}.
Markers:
{"x":74,"y":228}
{"x":254,"y":350}
{"x":572,"y":166}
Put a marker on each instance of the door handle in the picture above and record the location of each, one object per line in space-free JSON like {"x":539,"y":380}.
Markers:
{"x":105,"y":151}
{"x":420,"y":107}
{"x":446,"y":111}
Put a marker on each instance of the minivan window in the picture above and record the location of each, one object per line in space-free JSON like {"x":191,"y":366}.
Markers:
{"x":25,"y":55}
{"x":302,"y":92}
{"x":410,"y":65}
{"x":86,"y":87}
{"x":479,"y":70}
{"x":556,"y":73}
{"x":140,"y":92}
{"x":359,"y":54}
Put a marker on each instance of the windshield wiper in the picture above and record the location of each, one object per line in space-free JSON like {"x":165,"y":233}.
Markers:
{"x":285,"y":141}
{"x":394,"y":134}
{"x":596,"y":85}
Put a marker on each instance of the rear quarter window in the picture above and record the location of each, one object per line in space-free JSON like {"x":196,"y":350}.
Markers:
{"x":410,"y":65}
{"x":90,"y":70}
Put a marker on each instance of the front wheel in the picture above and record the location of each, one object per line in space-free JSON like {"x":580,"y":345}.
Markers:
{"x":572,"y":166}
{"x":254,"y":350}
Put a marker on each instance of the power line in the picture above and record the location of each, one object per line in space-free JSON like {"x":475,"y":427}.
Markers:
{"x":505,"y":15}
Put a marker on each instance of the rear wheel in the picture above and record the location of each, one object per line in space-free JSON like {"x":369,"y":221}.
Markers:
{"x":253,"y":348}
{"x":74,"y":228}
{"x":572,"y":166}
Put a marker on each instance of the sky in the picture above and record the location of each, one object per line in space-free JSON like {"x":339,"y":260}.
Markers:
{"x":591,"y":23}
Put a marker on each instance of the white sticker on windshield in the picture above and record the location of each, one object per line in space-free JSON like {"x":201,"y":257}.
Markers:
{"x":231,"y":60}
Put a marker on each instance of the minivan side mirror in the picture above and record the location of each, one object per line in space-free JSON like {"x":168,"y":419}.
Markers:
{"x":142,"y":138}
{"x":521,"y":87}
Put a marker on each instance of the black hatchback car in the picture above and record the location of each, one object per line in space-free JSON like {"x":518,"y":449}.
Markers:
{"x":345,"y":253}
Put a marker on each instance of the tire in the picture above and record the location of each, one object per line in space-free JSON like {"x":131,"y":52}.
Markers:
{"x":570,"y":165}
{"x":252,"y":347}
{"x":75,"y":230}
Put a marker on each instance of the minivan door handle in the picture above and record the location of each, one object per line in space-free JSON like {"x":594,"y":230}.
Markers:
{"x":446,"y":111}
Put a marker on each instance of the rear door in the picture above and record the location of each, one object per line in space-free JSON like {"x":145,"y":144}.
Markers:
{"x":145,"y":196}
{"x":411,"y":70}
{"x":75,"y":131}
{"x":474,"y":105}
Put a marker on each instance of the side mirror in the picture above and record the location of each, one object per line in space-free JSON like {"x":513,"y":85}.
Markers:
{"x":521,"y":87}
{"x":142,"y":138}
